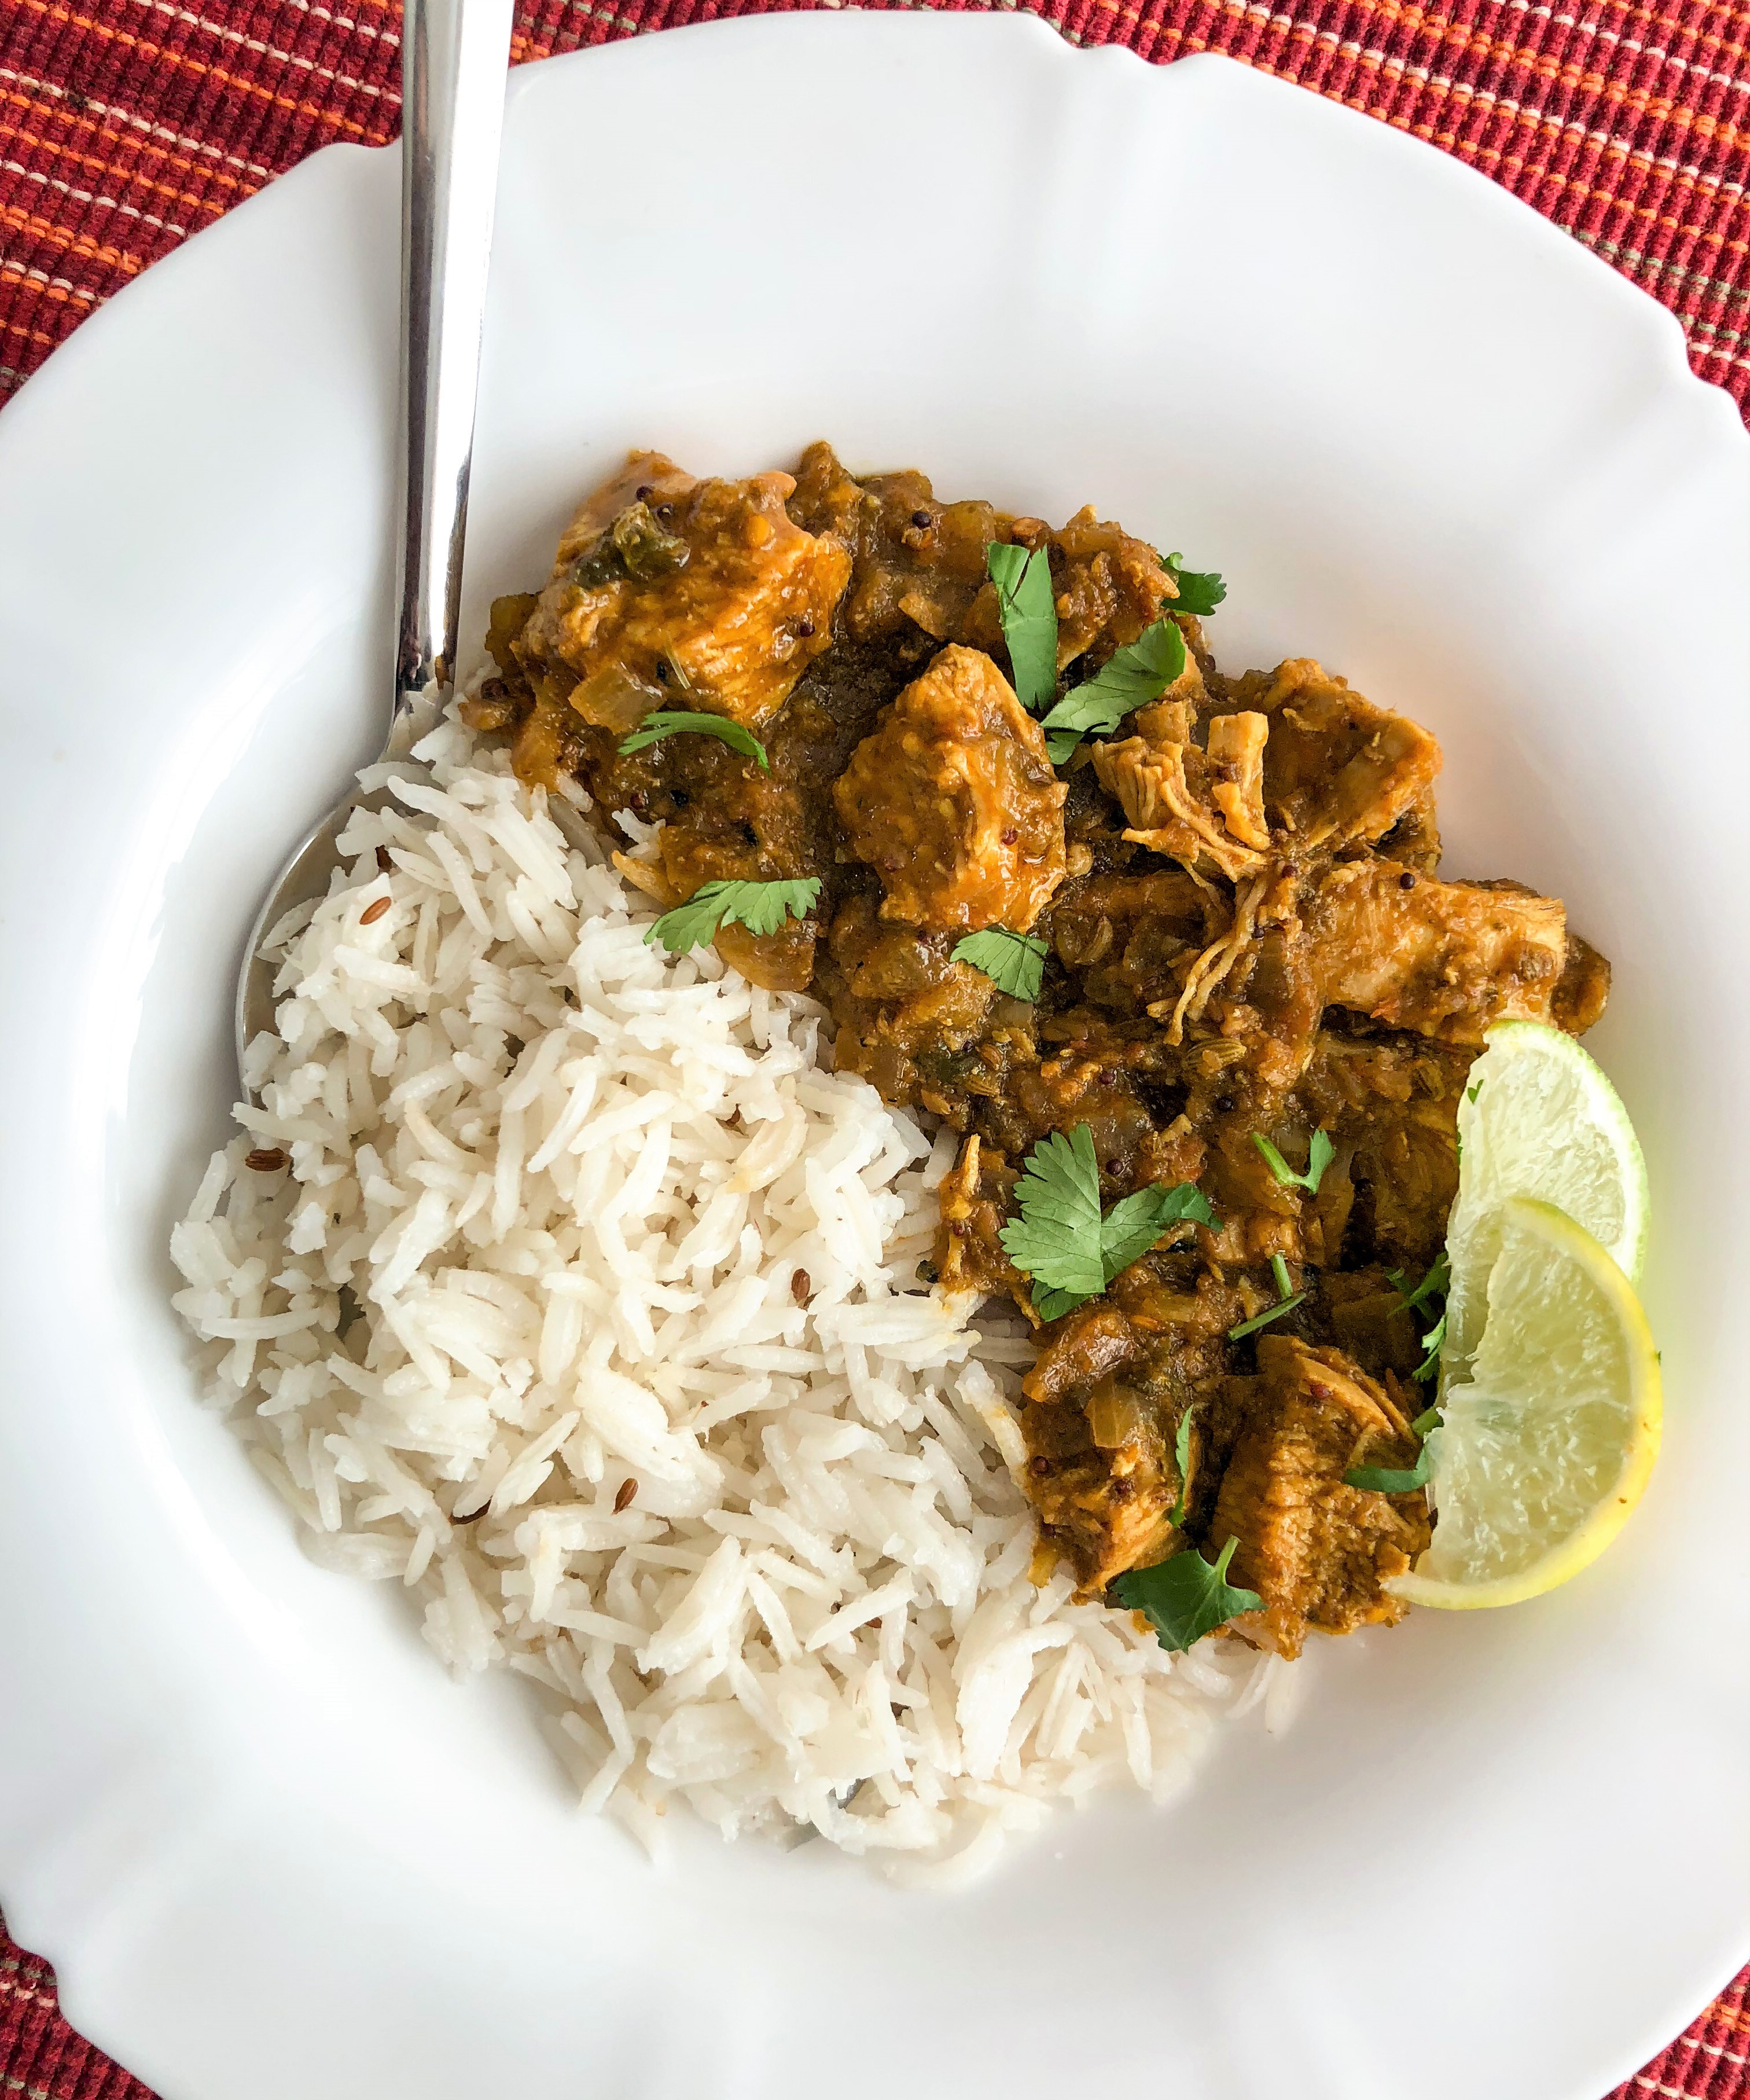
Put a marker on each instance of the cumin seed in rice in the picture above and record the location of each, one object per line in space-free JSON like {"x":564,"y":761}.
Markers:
{"x":732,"y":1479}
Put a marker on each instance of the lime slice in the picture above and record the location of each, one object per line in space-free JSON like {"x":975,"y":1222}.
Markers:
{"x":1545,"y":1447}
{"x":1538,"y":1118}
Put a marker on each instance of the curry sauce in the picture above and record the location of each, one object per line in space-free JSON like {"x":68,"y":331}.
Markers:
{"x":1246,"y":943}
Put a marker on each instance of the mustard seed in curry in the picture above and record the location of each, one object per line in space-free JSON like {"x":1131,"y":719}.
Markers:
{"x":1258,"y":1000}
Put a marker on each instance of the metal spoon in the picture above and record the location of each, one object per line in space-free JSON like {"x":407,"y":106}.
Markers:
{"x":454,"y":57}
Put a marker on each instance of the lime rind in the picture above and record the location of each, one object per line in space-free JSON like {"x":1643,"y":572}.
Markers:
{"x":1545,"y":1447}
{"x":1538,"y":1118}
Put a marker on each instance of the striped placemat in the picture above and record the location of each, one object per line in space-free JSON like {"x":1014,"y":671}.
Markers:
{"x":125,"y":124}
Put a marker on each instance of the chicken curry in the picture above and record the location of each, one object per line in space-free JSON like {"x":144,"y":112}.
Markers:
{"x":1147,"y":935}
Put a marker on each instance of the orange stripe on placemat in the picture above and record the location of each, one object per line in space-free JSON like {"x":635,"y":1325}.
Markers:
{"x":52,"y":99}
{"x":298,"y":106}
{"x":16,"y":138}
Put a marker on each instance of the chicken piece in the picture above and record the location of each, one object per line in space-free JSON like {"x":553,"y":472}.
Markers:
{"x":1446,"y":959}
{"x":1105,"y":1400}
{"x":1164,"y":783}
{"x":1108,"y":587}
{"x":1580,"y":997}
{"x":977,"y":1195}
{"x":1315,"y":1550}
{"x":953,"y":800}
{"x":919,"y":574}
{"x":696,"y":594}
{"x":1236,"y":746}
{"x":1414,"y":840}
{"x":1337,"y":770}
{"x":1100,"y":1470}
{"x":910,"y":1018}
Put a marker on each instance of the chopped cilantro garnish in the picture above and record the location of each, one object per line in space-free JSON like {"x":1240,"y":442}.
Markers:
{"x":1141,"y":672}
{"x":1029,"y":613}
{"x":1199,"y":590}
{"x":1264,"y":1318}
{"x":762,"y":907}
{"x":1014,"y":963}
{"x":1182,"y":1459}
{"x":1321,"y":1152}
{"x":1390,"y":1480}
{"x":1128,"y":679}
{"x":1060,"y":1239}
{"x":655,"y":727}
{"x":1433,"y":1285}
{"x":1395,"y":1479}
{"x":1186,"y":1597}
{"x":1286,"y":1301}
{"x":1433,"y":1341}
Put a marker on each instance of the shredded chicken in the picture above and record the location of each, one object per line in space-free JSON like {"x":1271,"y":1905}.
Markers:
{"x":1337,"y":769}
{"x":1241,"y":931}
{"x":1237,"y":760}
{"x":1315,"y":1550}
{"x":1164,"y":784}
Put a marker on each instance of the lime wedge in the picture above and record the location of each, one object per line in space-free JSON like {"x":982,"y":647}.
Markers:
{"x":1545,"y":1445}
{"x":1538,"y":1118}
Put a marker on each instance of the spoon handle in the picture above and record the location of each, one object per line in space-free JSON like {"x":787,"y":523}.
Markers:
{"x":454,"y":57}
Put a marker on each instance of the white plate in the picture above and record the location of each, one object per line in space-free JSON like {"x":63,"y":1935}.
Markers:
{"x":272,"y":1850}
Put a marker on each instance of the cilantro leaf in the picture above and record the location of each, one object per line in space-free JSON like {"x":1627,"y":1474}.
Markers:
{"x":1394,"y":1479}
{"x":1134,"y":675}
{"x":762,"y":907}
{"x":1134,"y":1223}
{"x":1029,"y":613}
{"x":1059,"y":1237}
{"x":1264,"y":1318}
{"x":1286,"y":1301}
{"x":1186,"y":1597}
{"x":655,"y":727}
{"x":1321,"y":1152}
{"x":1014,"y":963}
{"x":1397,"y":1480}
{"x":1390,"y":1480}
{"x":1433,"y":1341}
{"x":1199,"y":590}
{"x":1182,"y":1459}
{"x":1055,"y":1238}
{"x":1433,"y":1285}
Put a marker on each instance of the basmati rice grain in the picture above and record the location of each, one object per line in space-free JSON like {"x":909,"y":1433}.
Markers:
{"x":584,"y":1306}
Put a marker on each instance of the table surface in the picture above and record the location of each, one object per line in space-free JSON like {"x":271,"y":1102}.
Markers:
{"x":129,"y":125}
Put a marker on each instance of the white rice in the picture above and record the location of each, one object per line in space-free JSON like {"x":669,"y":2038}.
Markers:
{"x":570,"y":1187}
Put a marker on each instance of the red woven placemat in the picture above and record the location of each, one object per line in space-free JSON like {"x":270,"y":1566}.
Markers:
{"x":128,"y":125}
